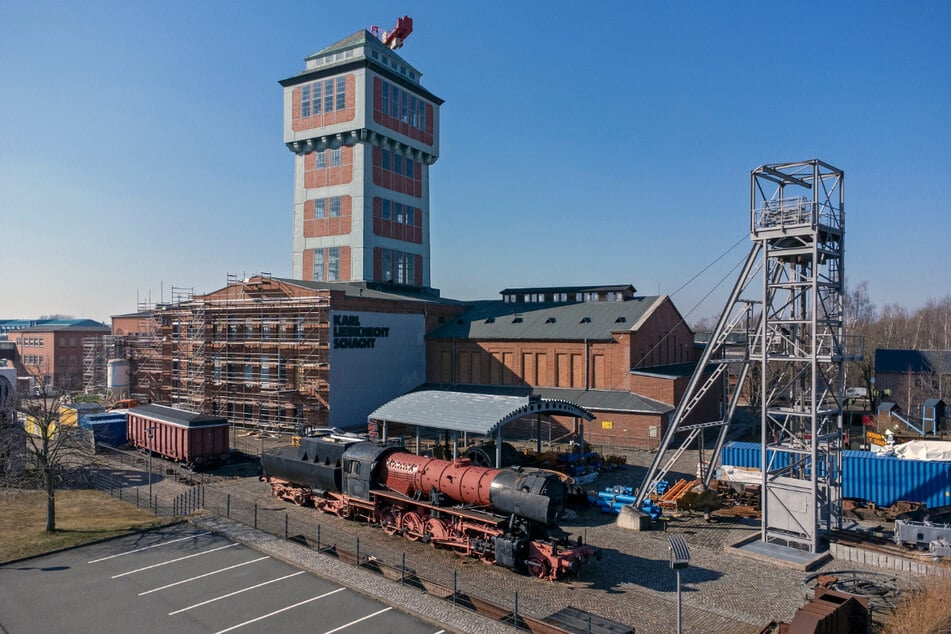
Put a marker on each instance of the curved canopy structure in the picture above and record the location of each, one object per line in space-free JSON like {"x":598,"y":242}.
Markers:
{"x":483,"y":414}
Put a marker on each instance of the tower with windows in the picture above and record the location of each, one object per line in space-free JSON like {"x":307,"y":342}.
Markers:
{"x":364,"y":132}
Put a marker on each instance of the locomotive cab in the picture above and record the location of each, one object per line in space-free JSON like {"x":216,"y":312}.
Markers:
{"x":360,"y":465}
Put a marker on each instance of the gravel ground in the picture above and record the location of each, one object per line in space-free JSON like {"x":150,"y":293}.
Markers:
{"x":632,"y":583}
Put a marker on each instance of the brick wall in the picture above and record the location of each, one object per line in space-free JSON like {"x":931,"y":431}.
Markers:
{"x":299,"y":123}
{"x":328,"y":226}
{"x":342,"y":174}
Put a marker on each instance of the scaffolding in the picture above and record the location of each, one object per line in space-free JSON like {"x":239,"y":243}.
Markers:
{"x":97,"y":351}
{"x":256,"y":352}
{"x":144,"y":351}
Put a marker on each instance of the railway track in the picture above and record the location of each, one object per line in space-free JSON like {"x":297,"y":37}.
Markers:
{"x":882,"y":545}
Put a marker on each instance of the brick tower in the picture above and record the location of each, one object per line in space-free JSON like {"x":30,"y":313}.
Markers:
{"x":364,"y":132}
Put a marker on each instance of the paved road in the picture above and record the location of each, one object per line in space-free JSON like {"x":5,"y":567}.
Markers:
{"x":185,"y":580}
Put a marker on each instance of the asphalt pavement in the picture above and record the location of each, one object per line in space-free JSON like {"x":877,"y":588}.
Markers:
{"x":183,"y":579}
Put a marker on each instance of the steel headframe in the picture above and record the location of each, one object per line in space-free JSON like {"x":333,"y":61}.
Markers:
{"x":796,"y":342}
{"x":797,"y":215}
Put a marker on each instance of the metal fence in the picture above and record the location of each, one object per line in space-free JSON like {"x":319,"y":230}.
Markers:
{"x":312,"y":529}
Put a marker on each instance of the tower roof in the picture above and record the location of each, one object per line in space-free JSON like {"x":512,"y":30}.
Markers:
{"x":361,"y":49}
{"x":360,"y":38}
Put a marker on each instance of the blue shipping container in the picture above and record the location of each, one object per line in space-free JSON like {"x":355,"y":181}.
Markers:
{"x":107,"y":428}
{"x":883,"y":480}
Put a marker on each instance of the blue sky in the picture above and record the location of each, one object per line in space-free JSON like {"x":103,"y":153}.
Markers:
{"x":597,"y":143}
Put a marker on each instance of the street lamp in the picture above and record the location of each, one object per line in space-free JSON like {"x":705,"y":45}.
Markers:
{"x":679,"y":558}
{"x":150,"y":433}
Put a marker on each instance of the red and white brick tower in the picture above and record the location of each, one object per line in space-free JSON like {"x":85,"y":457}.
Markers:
{"x":364,"y":132}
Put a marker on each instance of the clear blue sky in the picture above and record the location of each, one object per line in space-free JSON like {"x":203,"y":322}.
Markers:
{"x":582,"y":143}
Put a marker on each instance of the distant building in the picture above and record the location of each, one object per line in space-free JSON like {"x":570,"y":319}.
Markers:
{"x":51,"y":350}
{"x":365,"y":132}
{"x":910,"y":377}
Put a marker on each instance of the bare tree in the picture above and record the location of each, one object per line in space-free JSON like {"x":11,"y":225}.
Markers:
{"x":861,"y":323}
{"x":53,"y":448}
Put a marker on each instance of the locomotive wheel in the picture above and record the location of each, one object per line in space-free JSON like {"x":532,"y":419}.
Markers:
{"x":537,"y":567}
{"x":413,"y":526}
{"x":390,"y":520}
{"x":438,"y":530}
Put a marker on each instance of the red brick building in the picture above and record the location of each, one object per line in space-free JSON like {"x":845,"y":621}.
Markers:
{"x":52,"y":350}
{"x":626,"y":358}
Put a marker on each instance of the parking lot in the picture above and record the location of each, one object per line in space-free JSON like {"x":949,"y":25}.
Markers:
{"x":182,"y":579}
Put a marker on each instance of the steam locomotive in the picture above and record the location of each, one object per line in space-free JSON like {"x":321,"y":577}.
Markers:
{"x":501,"y":516}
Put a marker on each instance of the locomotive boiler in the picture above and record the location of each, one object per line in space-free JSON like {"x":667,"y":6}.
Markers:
{"x":506,"y":517}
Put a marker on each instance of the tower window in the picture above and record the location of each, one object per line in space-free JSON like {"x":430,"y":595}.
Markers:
{"x":402,"y":105}
{"x":335,"y":158}
{"x":329,"y":95}
{"x":318,"y":265}
{"x":398,"y":266}
{"x":333,"y":263}
{"x":341,"y":93}
{"x":327,"y":264}
{"x":310,"y":98}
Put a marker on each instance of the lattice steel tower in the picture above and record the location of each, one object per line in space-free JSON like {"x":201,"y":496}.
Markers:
{"x":797,"y":214}
{"x":795,"y":353}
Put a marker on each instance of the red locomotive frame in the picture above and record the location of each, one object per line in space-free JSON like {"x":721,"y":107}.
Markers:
{"x":454,"y":505}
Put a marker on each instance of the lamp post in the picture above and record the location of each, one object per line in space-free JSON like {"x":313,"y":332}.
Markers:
{"x":679,"y":558}
{"x":150,"y":433}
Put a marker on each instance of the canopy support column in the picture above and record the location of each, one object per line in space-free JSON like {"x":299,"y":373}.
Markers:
{"x":498,"y":449}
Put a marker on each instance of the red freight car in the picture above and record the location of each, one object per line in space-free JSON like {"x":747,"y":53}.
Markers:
{"x":194,"y":439}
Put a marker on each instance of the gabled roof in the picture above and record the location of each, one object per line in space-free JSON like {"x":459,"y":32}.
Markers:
{"x":575,"y":321}
{"x":918,"y":361}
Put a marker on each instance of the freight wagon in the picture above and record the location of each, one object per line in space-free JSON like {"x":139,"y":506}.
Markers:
{"x":883,"y":480}
{"x":193,"y":439}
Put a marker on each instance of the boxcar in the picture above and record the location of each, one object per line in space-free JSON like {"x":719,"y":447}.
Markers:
{"x":193,"y":439}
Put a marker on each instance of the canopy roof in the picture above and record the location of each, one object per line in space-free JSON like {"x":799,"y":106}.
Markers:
{"x":481,"y":414}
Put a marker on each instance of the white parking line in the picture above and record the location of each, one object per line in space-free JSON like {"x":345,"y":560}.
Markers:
{"x":275,"y":612}
{"x":172,"y":561}
{"x":207,"y":574}
{"x":231,"y":594}
{"x":138,"y":550}
{"x":368,"y":616}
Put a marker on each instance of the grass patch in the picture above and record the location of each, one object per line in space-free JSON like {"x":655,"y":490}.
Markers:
{"x":924,"y":610}
{"x":82,"y":516}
